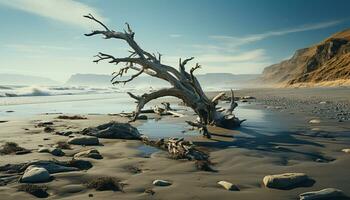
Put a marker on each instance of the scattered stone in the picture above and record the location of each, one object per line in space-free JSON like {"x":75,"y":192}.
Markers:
{"x":53,"y":151}
{"x":48,"y":129}
{"x":25,"y":151}
{"x":159,"y":182}
{"x":315,"y":121}
{"x":228,"y":186}
{"x":142,"y":117}
{"x":44,"y":124}
{"x":44,"y":150}
{"x":316,"y":129}
{"x":73,"y":188}
{"x":64,"y":133}
{"x":105,"y":183}
{"x":90,"y":153}
{"x":38,"y":191}
{"x":248,"y":97}
{"x":285,"y":181}
{"x":74,"y":117}
{"x":84,"y":140}
{"x":56,"y":152}
{"x":323,"y":102}
{"x":113,"y":130}
{"x":34,"y":174}
{"x":80,"y":164}
{"x":328,"y":193}
{"x":346,"y":150}
{"x":62,"y":145}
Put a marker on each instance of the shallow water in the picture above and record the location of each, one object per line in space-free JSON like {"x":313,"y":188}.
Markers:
{"x":261,"y":120}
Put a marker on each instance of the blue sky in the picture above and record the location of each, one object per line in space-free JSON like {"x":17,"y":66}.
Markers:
{"x":45,"y":37}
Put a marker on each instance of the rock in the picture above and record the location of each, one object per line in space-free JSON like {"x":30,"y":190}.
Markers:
{"x":56,"y":152}
{"x":328,"y":193}
{"x":315,"y":121}
{"x":53,"y":151}
{"x":44,"y":124}
{"x":80,"y":164}
{"x":142,"y":117}
{"x":48,"y":129}
{"x":84,"y":140}
{"x":284,"y":181}
{"x":34,"y":174}
{"x":161,"y":183}
{"x":64,"y":133}
{"x":228,"y":186}
{"x":74,"y":117}
{"x":346,"y":150}
{"x":44,"y":150}
{"x":113,"y":130}
{"x":52,"y":167}
{"x":323,"y":102}
{"x":90,"y":153}
{"x":315,"y":129}
{"x":21,"y":152}
{"x":248,"y":97}
{"x":72,"y":188}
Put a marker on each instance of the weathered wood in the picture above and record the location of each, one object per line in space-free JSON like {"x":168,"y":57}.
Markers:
{"x":185,"y":85}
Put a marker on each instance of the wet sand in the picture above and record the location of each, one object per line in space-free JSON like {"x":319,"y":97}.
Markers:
{"x":279,"y":140}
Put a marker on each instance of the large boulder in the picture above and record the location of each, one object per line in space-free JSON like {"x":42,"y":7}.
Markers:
{"x":113,"y":130}
{"x":84,"y":140}
{"x":35,"y":174}
{"x":285,"y":181}
{"x":325,"y":194}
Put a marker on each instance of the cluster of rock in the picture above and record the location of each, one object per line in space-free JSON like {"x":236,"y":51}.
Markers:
{"x":293,"y":180}
{"x":40,"y":171}
{"x":335,"y":109}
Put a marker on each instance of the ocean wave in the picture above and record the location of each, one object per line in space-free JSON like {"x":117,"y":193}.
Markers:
{"x":52,"y":91}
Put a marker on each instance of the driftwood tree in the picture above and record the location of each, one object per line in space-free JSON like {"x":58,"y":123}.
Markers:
{"x":185,"y":85}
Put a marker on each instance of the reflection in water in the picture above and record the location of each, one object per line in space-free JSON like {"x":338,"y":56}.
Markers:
{"x":160,"y":128}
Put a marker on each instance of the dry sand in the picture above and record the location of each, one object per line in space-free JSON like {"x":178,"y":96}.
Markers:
{"x":242,"y":156}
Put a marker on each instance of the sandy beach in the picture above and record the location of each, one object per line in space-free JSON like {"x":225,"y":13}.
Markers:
{"x":278,"y":139}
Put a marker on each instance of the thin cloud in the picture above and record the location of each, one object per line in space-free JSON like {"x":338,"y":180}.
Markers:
{"x":255,"y":55}
{"x":175,"y":35}
{"x":35,"y":48}
{"x":66,"y":11}
{"x":252,"y":61}
{"x":238,"y":41}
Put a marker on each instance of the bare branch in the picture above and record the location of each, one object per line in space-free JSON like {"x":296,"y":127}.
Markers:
{"x":233,"y":104}
{"x":90,"y":16}
{"x":128,"y":80}
{"x":218,"y":97}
